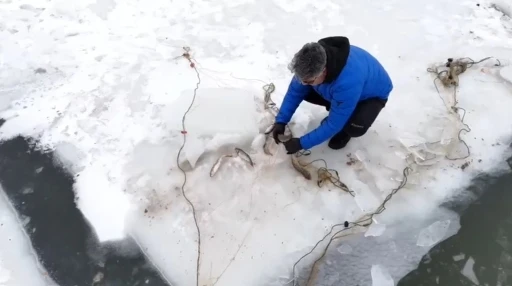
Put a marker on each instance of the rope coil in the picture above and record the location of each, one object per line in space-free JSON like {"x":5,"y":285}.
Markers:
{"x":450,"y":78}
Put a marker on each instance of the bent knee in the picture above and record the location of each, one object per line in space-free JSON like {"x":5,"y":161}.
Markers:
{"x":355,"y":130}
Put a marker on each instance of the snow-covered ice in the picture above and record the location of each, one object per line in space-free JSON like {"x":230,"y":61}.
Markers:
{"x":506,"y":73}
{"x":103,"y":83}
{"x":4,"y":275}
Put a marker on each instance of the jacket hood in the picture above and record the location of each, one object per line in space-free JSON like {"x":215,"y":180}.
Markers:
{"x":337,"y":50}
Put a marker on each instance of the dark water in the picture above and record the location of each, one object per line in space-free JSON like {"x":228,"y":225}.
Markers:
{"x":485,"y":239}
{"x":64,"y":242}
{"x":69,"y":250}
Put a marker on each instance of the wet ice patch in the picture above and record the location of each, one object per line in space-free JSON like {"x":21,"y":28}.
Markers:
{"x":344,"y":249}
{"x":433,"y":233}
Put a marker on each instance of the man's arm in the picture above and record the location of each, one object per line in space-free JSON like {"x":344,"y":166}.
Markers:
{"x":294,"y":95}
{"x":346,"y":99}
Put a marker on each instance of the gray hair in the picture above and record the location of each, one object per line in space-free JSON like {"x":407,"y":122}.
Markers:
{"x":309,"y":61}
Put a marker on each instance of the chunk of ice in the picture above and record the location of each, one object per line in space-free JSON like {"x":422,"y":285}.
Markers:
{"x":214,"y":111}
{"x":459,"y":257}
{"x":468,"y":271}
{"x":375,"y":229}
{"x":380,"y":276}
{"x":433,"y":233}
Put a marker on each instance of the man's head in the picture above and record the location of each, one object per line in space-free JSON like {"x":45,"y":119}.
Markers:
{"x":308,"y":64}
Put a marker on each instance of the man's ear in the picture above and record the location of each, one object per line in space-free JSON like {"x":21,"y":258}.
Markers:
{"x":324,"y":72}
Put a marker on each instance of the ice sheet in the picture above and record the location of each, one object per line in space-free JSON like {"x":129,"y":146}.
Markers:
{"x":114,"y":86}
{"x":18,"y":265}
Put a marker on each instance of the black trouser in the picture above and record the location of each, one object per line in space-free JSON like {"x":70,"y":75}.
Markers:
{"x":361,"y":119}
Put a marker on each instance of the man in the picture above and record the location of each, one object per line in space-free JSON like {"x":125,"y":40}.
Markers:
{"x":349,"y":82}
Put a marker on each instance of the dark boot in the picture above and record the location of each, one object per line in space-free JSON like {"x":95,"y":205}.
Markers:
{"x":339,"y":141}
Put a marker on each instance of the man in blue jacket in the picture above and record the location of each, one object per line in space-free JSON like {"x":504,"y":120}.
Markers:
{"x":348,"y":81}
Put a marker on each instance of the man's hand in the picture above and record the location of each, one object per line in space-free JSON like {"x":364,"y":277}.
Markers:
{"x":292,"y":146}
{"x":278,"y":130}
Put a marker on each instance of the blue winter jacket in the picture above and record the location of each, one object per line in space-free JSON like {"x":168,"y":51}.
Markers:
{"x":352,"y":75}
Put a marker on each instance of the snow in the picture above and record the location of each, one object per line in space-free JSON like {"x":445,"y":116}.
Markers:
{"x":4,"y":276}
{"x":103,"y":204}
{"x":506,"y":73}
{"x":115,"y":87}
